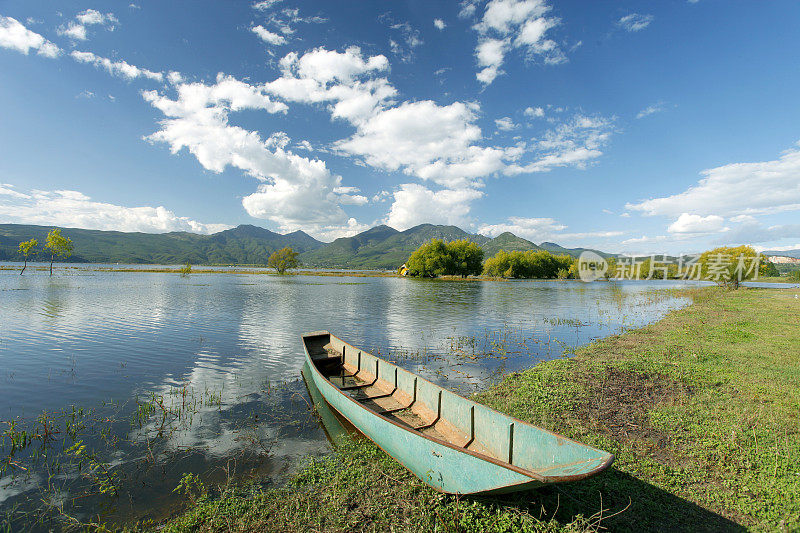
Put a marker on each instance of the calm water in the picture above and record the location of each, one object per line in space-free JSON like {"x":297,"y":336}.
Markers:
{"x":211,"y":364}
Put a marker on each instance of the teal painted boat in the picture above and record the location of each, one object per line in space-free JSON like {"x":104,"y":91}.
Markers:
{"x":451,"y":443}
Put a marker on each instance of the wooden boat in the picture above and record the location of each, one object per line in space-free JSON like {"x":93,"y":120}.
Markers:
{"x":451,"y":443}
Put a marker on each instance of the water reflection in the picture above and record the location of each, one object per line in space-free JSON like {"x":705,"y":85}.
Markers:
{"x":201,"y":374}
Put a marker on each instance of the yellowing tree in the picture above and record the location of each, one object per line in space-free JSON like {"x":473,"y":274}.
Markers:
{"x":27,"y":249}
{"x":282,"y":260}
{"x":728,"y":266}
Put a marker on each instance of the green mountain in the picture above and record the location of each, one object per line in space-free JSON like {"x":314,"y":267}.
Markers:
{"x":241,"y":245}
{"x":376,"y":248}
{"x":509,"y":242}
{"x":382,"y":246}
{"x":574,"y":252}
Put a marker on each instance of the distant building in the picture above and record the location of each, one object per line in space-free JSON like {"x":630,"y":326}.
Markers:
{"x":782,"y":259}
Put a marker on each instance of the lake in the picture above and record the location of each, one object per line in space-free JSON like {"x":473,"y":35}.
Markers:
{"x":157,"y":375}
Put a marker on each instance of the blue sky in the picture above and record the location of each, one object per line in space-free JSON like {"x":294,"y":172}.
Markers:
{"x":629,"y":126}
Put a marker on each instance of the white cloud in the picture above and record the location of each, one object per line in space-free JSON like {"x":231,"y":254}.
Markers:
{"x":589,"y":235}
{"x":533,"y":229}
{"x":651,"y":110}
{"x":439,"y":24}
{"x":121,"y":69}
{"x":513,"y":24}
{"x":534,"y":112}
{"x":539,"y":230}
{"x":268,"y":36}
{"x":468,"y":8}
{"x":635,"y":22}
{"x":6,"y":189}
{"x":329,"y":233}
{"x":736,"y":189}
{"x":264,"y":4}
{"x":415,"y":204}
{"x":282,"y":23}
{"x":15,"y":36}
{"x":295,"y":192}
{"x":688,"y":223}
{"x":426,"y":140}
{"x":75,"y":209}
{"x":76,"y":28}
{"x":407,"y":41}
{"x":339,"y":78}
{"x":780,"y":248}
{"x":574,"y":143}
{"x":505,"y":124}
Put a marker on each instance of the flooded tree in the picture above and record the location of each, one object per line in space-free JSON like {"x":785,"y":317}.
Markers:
{"x":27,"y":249}
{"x":282,"y":260}
{"x":57,"y":246}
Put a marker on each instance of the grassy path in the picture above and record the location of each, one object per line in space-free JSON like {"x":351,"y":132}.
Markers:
{"x":702,"y":410}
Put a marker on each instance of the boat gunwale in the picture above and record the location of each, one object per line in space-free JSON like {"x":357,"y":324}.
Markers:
{"x":530,"y":473}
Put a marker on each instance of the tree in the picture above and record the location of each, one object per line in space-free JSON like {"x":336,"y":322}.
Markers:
{"x":728,"y":266}
{"x":430,"y":260}
{"x":539,"y":264}
{"x":283,"y":259}
{"x":466,"y":257}
{"x":57,"y":246}
{"x":27,"y":249}
{"x":186,"y":269}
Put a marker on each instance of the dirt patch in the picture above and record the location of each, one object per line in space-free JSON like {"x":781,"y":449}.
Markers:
{"x":619,"y":401}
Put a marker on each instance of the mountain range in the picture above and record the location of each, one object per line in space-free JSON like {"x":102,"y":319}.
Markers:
{"x":380,"y":247}
{"x":786,"y":253}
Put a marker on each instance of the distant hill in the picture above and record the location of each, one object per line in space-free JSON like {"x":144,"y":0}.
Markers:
{"x":574,"y":252}
{"x":377,"y":248}
{"x":509,"y":242}
{"x":241,"y":245}
{"x":382,"y":246}
{"x":785,"y":253}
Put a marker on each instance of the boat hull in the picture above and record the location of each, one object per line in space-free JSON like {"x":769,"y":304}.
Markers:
{"x":441,"y":465}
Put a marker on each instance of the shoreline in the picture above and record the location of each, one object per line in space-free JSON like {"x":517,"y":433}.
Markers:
{"x":253,"y":270}
{"x":700,"y":409}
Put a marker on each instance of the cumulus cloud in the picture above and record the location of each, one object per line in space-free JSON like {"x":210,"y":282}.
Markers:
{"x":505,"y":124}
{"x":688,"y":223}
{"x":512,"y":24}
{"x":76,"y":29}
{"x":75,"y":209}
{"x":268,"y":36}
{"x":295,"y":192}
{"x":342,"y":79}
{"x":635,"y":22}
{"x":15,"y":36}
{"x":426,"y":140}
{"x":121,"y":69}
{"x":439,"y":24}
{"x":415,"y":204}
{"x":736,"y":189}
{"x":534,"y":112}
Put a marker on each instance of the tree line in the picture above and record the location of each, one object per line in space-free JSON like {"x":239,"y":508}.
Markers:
{"x":725,"y":265}
{"x":465,"y":258}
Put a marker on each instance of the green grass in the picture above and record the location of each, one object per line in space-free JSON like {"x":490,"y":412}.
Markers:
{"x":701,"y":409}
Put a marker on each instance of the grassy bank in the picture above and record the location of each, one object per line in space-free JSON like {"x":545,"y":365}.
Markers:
{"x":702,"y":410}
